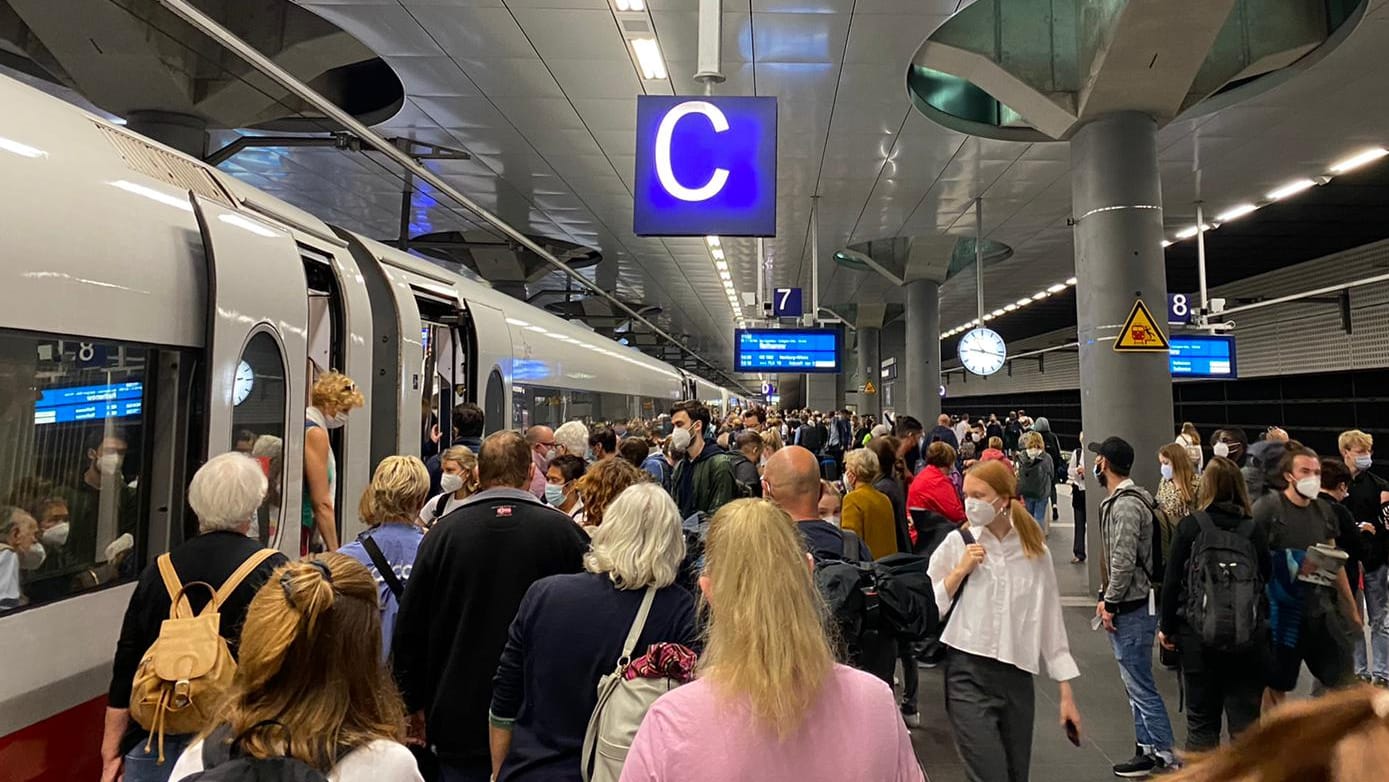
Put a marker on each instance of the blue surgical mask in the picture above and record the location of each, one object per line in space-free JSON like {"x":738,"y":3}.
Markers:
{"x":554,"y":494}
{"x":1364,"y":462}
{"x":1167,"y":472}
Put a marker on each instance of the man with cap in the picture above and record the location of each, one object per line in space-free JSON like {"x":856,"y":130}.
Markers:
{"x":1127,"y":607}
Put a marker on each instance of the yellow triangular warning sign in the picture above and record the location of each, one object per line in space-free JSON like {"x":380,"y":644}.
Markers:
{"x":868,"y":388}
{"x":1141,"y":333}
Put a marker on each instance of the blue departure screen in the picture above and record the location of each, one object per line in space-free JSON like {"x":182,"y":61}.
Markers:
{"x":88,"y":403}
{"x":787,"y":350}
{"x":1203,"y":355}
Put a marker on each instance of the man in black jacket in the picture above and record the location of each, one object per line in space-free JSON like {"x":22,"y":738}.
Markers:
{"x":468,"y":579}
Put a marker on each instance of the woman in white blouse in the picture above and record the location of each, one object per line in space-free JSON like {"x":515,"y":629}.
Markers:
{"x":1009,"y":622}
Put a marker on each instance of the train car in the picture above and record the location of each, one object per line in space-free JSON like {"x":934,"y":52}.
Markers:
{"x":155,"y":312}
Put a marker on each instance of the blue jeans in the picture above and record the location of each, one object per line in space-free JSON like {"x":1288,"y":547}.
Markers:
{"x":142,"y":766}
{"x":1038,"y":510}
{"x":1133,"y":648}
{"x":1377,"y":619}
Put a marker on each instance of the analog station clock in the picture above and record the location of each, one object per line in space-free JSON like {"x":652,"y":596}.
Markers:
{"x":982,"y":351}
{"x":241,"y":386}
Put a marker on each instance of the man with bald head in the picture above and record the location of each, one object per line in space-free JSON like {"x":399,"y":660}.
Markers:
{"x":791,"y":479}
{"x":541,"y":440}
{"x":944,"y":433}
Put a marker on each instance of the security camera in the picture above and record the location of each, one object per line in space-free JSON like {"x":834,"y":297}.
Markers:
{"x":1217,"y":305}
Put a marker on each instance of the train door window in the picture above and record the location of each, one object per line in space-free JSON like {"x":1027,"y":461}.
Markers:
{"x":494,"y":416}
{"x":447,"y":364}
{"x":326,"y":345}
{"x":74,"y":464}
{"x":260,"y":396}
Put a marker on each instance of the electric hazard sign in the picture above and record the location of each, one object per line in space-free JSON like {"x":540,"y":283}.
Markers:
{"x":1141,"y":333}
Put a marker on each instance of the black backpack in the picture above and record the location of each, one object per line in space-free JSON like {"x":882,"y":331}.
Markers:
{"x":223,"y":761}
{"x":1224,"y":591}
{"x":893,"y":595}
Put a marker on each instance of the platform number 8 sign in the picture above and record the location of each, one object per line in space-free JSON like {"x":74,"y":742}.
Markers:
{"x":1178,"y":308}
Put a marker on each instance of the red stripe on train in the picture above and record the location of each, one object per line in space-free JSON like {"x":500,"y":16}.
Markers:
{"x":64,"y":747}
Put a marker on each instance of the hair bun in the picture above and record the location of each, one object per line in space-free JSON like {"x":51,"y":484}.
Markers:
{"x":308,"y":588}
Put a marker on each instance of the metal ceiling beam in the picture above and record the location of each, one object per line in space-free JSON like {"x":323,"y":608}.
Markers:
{"x":212,"y":29}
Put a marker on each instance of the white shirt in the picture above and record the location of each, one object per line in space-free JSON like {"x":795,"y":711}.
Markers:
{"x":1010,"y":610}
{"x":427,"y":515}
{"x":960,"y":430}
{"x":379,"y":761}
{"x":1077,"y":469}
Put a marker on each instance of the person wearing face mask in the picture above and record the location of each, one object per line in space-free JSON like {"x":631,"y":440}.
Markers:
{"x":560,"y":493}
{"x":458,"y":481}
{"x":1036,"y":472}
{"x":703,"y":480}
{"x":334,"y":396}
{"x":1311,"y":623}
{"x":868,"y":512}
{"x":1180,"y":485}
{"x":20,"y":550}
{"x":831,"y":505}
{"x":103,"y":476}
{"x":1230,"y":444}
{"x":1005,"y":625}
{"x":541,"y":439}
{"x":1367,"y":499}
{"x":1127,"y":606}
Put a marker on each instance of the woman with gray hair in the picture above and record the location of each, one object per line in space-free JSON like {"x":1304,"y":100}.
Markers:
{"x":225,"y":494}
{"x":569,"y":632}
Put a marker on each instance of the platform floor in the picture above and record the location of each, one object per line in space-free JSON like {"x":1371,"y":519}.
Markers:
{"x":1107,"y":722}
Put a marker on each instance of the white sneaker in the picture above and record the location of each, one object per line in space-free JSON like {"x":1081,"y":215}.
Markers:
{"x":913,"y":720}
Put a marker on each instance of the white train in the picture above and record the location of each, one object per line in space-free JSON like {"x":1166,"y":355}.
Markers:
{"x":153,"y":312}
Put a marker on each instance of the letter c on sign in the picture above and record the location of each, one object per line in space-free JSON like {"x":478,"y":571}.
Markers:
{"x":663,"y":134}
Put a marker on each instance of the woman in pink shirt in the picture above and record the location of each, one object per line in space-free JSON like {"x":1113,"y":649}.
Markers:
{"x":770,"y":703}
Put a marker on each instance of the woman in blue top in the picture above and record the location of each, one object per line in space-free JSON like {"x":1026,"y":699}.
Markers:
{"x":569,"y":631}
{"x":391,"y":504}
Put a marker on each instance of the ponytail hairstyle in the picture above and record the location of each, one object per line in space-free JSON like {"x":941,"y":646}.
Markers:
{"x":399,"y":488}
{"x":1005,"y":484}
{"x":766,"y":644}
{"x":310,"y":660}
{"x":1342,"y":736}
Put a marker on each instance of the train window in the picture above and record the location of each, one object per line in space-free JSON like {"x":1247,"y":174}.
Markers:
{"x":72,"y":455}
{"x":258,"y":424}
{"x":494,"y":415}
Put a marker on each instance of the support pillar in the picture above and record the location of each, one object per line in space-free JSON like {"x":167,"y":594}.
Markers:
{"x":184,"y":132}
{"x":868,"y":361}
{"x":820,"y":391}
{"x":920,"y":394}
{"x":1116,"y":194}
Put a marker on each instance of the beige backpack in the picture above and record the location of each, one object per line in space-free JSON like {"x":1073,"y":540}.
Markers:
{"x":183,"y":675}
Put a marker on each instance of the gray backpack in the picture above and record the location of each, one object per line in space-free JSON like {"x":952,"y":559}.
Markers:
{"x":622,"y":703}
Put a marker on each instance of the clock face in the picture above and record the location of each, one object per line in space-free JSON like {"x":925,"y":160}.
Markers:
{"x":245,"y":379}
{"x":982,"y":351}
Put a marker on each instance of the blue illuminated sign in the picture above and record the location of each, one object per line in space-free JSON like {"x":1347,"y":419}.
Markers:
{"x":1203,"y":355}
{"x":786,"y":303}
{"x":88,"y":403}
{"x":786,"y":350}
{"x":705,"y":166}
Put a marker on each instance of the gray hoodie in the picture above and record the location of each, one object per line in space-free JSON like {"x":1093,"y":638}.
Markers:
{"x":1126,"y":530}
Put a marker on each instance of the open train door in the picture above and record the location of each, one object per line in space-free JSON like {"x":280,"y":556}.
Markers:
{"x":257,"y":321}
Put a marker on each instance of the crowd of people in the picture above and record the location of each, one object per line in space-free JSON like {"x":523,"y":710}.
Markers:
{"x":515,"y":595}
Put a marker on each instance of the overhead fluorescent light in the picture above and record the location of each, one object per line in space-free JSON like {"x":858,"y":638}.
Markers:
{"x":1292,"y":188}
{"x":989,"y":316}
{"x":630,"y":5}
{"x":154,"y":195}
{"x":1359,"y":159}
{"x":653,"y":66}
{"x":717,"y":253}
{"x":721,"y":265}
{"x":724,"y":274}
{"x":23,"y":150}
{"x":998,"y":312}
{"x":1010,"y":307}
{"x":1190,"y":231}
{"x":1166,"y":244}
{"x":1057,"y":288}
{"x":1070,"y":281}
{"x":1235,"y":212}
{"x":1039,"y":295}
{"x":712,"y":240}
{"x":1023,"y":302}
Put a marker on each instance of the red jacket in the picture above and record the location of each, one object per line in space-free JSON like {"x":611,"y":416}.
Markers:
{"x":932,"y":490}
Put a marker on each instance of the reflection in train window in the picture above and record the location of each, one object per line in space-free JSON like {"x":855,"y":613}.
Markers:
{"x":535,"y":405}
{"x":72,"y":453}
{"x":258,"y":424}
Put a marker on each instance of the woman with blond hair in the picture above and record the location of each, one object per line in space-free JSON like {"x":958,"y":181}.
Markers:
{"x":569,"y":632}
{"x":458,"y":480}
{"x":599,"y":486}
{"x":310,"y":684}
{"x":770,"y":702}
{"x":771,"y":443}
{"x":868,"y":512}
{"x":388,"y":548}
{"x":334,"y":396}
{"x":996,"y":572}
{"x":1180,"y":485}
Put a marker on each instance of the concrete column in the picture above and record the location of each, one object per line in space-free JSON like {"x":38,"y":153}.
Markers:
{"x":184,"y":132}
{"x":1116,"y":195}
{"x":868,"y":361}
{"x":820,"y":391}
{"x":920,"y":391}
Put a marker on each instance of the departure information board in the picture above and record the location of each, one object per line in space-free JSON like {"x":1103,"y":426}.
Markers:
{"x":1203,"y":355}
{"x":787,"y":350}
{"x":88,"y":403}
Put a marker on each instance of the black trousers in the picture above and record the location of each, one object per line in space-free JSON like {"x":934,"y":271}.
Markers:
{"x":911,"y":678}
{"x":1078,"y":509}
{"x":991,"y":706}
{"x":1219,"y":683}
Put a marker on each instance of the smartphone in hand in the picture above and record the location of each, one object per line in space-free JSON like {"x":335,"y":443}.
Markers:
{"x":1072,"y":733}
